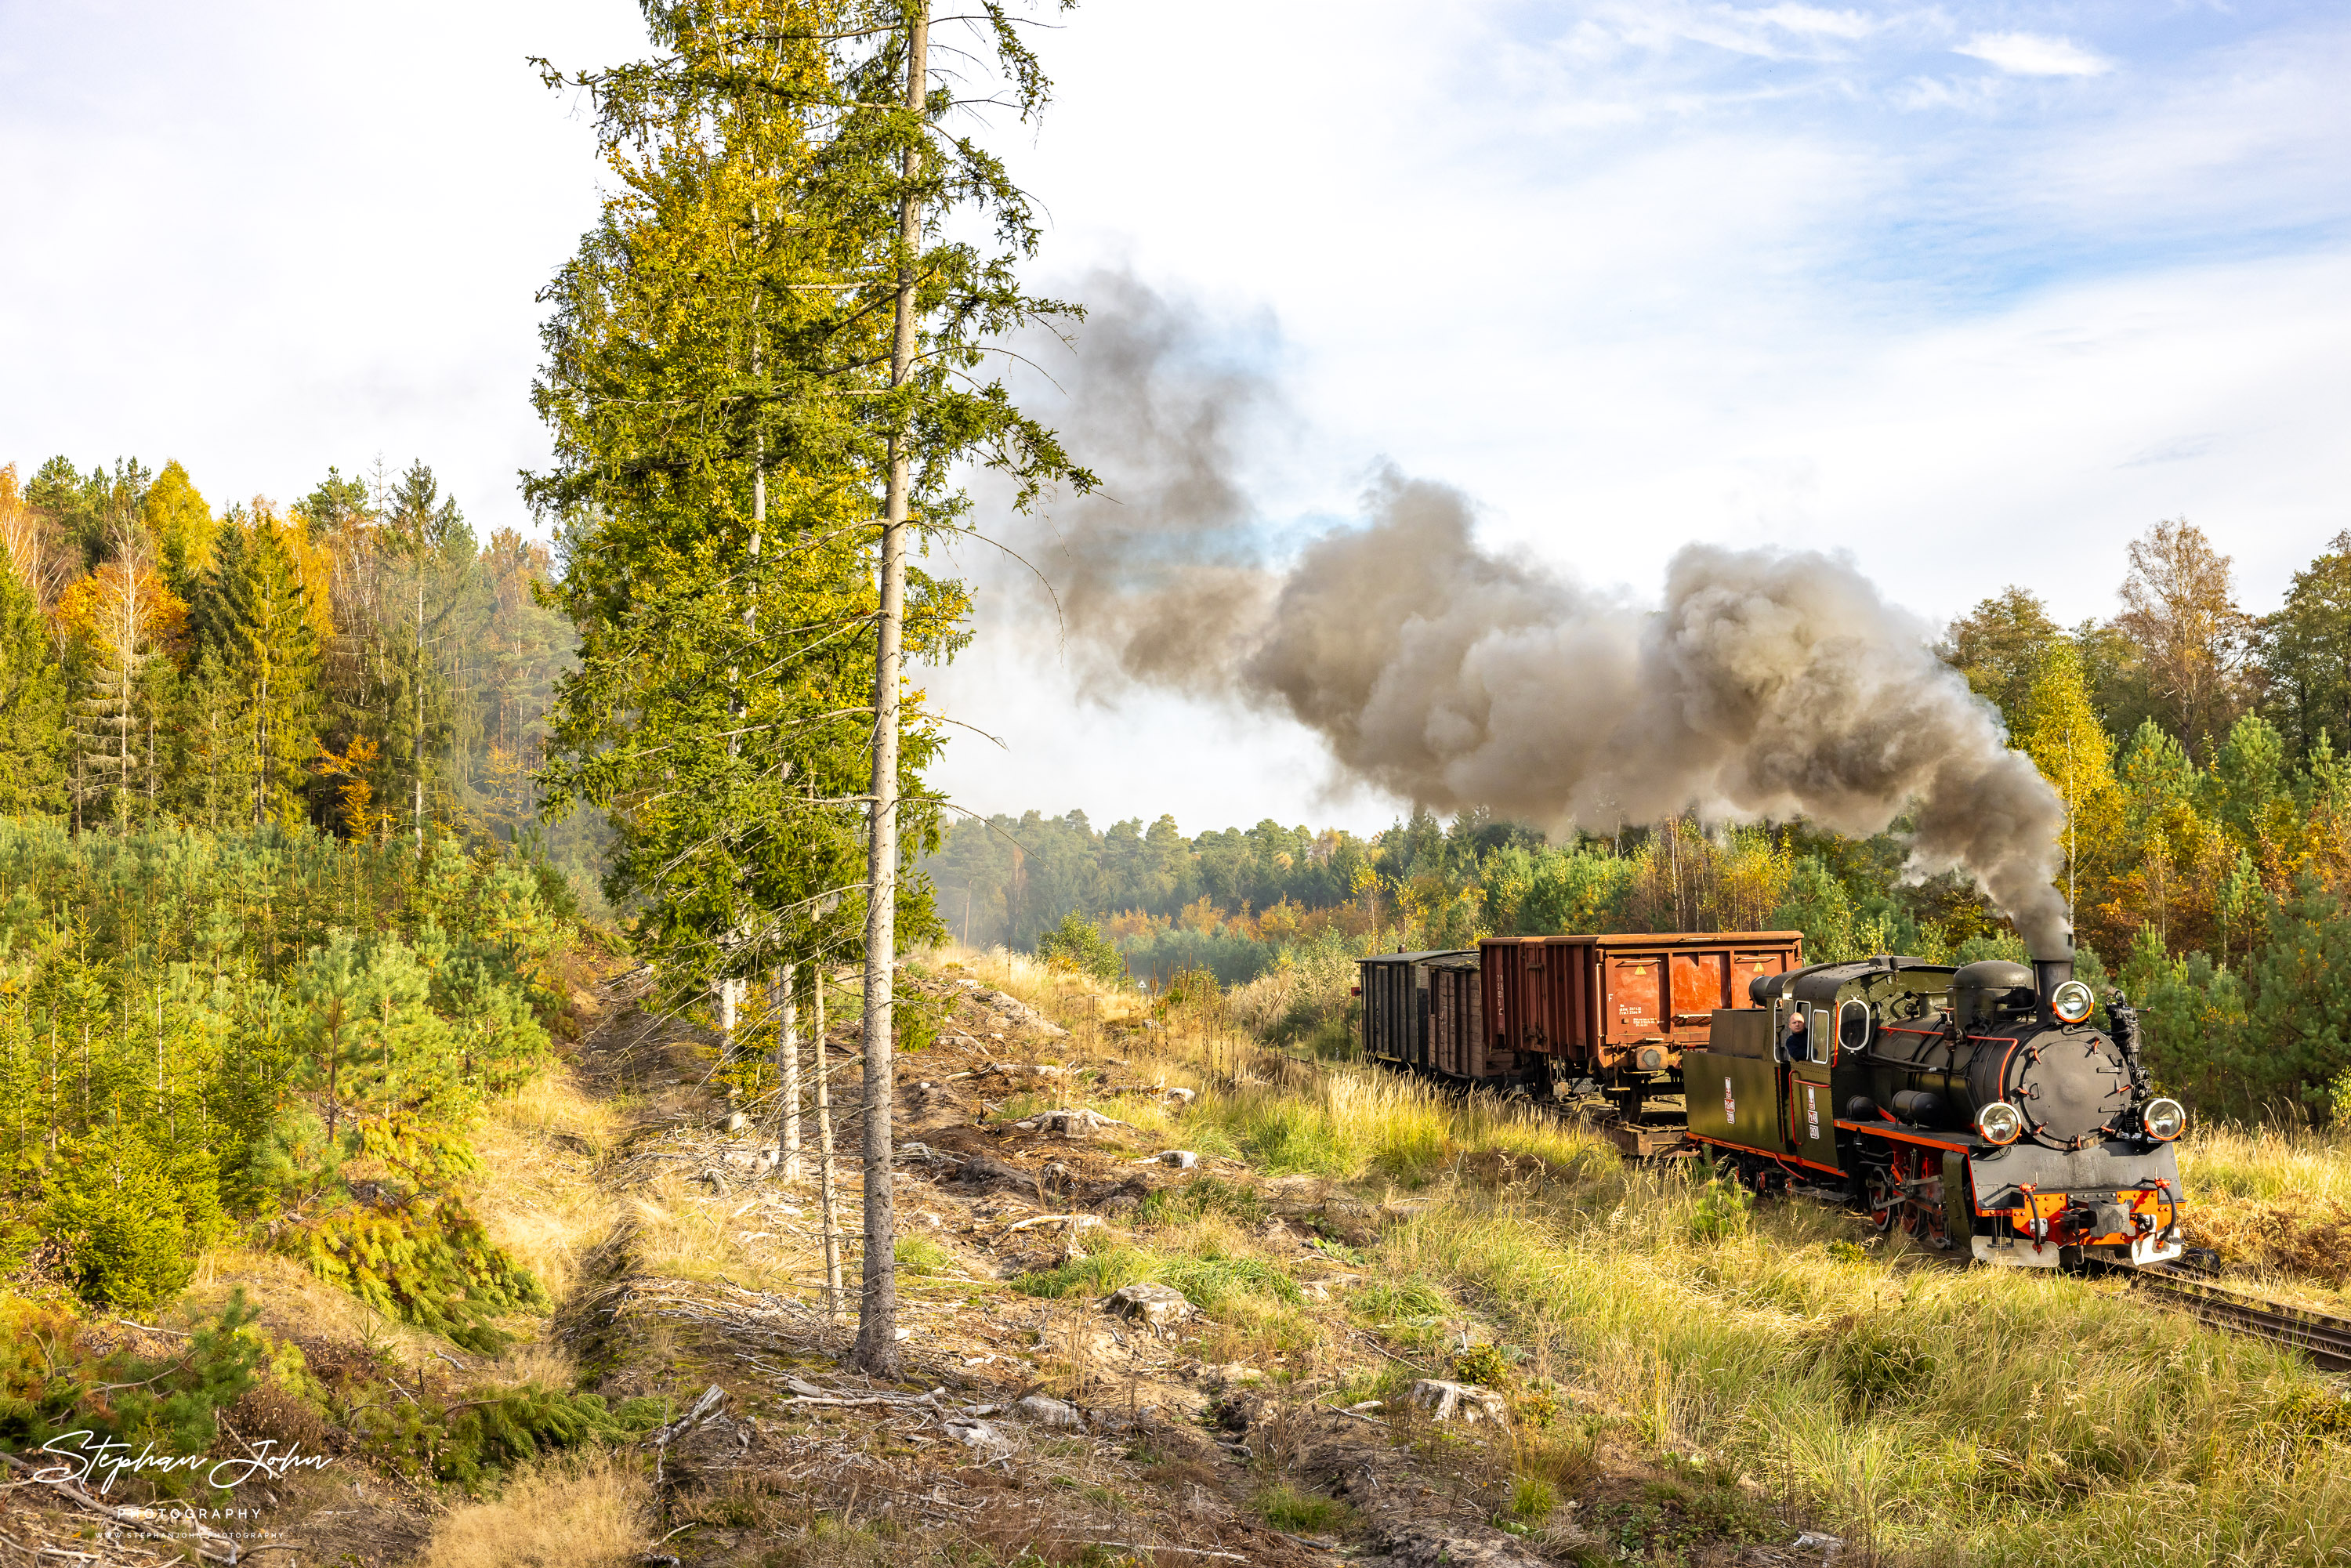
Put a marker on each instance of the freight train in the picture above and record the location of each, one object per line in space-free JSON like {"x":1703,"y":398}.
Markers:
{"x":1972,"y":1106}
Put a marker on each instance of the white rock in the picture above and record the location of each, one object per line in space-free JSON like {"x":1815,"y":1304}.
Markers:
{"x":1181,"y":1159}
{"x":1828,"y":1546}
{"x":1178,"y":1096}
{"x":1148,"y":1301}
{"x":1461,"y":1401}
{"x":981,"y":1437}
{"x":1050,"y":1412}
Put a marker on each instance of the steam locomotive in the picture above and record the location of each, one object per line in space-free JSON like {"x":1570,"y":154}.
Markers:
{"x":1974,"y":1105}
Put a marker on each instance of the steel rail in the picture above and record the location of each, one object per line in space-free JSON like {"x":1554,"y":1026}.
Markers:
{"x":2327,"y":1340}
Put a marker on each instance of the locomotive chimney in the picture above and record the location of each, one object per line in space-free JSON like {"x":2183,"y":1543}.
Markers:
{"x":2051,"y":972}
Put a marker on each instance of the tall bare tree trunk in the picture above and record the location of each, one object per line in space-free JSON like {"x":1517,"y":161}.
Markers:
{"x":416,"y":741}
{"x":788,"y":1072}
{"x":726,"y":1019}
{"x":828,"y":1208}
{"x":876,"y":1349}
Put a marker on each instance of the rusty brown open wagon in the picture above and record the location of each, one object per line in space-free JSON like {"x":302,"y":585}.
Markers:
{"x":1619,"y":1010}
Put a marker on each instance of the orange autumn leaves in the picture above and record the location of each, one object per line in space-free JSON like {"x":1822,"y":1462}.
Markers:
{"x":123,"y":607}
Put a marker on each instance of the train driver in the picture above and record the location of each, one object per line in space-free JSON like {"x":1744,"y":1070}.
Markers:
{"x":1798,"y":1050}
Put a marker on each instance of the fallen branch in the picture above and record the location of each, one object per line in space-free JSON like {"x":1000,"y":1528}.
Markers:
{"x":211,"y":1544}
{"x":1338,"y":1410}
{"x":1079,"y":1220}
{"x":1186,"y":1550}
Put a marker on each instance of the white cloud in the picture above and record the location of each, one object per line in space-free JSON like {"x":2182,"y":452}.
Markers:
{"x":2035,"y":55}
{"x":1813,"y":19}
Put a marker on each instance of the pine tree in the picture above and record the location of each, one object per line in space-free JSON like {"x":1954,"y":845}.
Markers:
{"x":426,"y":534}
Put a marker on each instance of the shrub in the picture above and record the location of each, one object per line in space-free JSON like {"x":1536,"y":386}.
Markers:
{"x":1483,"y":1364}
{"x":1077,"y":945}
{"x":1722,"y":1210}
{"x":422,"y":1258}
{"x":124,"y":1227}
{"x":54,"y":1383}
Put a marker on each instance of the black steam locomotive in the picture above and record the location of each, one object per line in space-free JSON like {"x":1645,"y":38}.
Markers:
{"x":1971,"y":1106}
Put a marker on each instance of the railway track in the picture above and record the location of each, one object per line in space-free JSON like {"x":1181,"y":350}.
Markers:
{"x":2325,"y":1340}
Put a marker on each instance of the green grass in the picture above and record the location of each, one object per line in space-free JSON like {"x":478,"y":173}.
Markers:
{"x":1532,"y":1497}
{"x":921,"y":1255}
{"x":1213,"y":1282}
{"x":2296,"y":1164}
{"x":1915,"y":1406}
{"x":1201,"y":1197}
{"x":1356,"y":1123}
{"x":1288,"y":1507}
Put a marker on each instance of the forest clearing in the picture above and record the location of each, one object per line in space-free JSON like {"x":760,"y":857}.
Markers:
{"x":1667,"y":1369}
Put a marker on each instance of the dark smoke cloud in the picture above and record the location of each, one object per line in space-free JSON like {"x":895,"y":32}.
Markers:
{"x":1161,"y":574}
{"x":1766,"y":684}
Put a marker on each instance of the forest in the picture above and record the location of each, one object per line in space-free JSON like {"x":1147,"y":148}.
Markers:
{"x":357,"y":661}
{"x":433,"y":936}
{"x":2208,"y":849}
{"x":307,"y":810}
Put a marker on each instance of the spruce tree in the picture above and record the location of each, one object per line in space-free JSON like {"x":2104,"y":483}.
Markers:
{"x":32,"y":706}
{"x":763,"y":370}
{"x":254,"y":621}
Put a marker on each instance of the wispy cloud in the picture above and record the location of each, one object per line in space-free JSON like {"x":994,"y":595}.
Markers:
{"x":2035,"y":55}
{"x":1814,"y":19}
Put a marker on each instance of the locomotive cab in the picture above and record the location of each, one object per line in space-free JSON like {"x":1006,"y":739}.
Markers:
{"x":1973,"y":1104}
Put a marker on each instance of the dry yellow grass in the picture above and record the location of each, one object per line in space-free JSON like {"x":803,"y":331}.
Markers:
{"x":2274,"y":1202}
{"x":590,"y":1512}
{"x":554,"y":1105}
{"x":685,"y":1231}
{"x":545,"y":1206}
{"x":2267,"y":1163}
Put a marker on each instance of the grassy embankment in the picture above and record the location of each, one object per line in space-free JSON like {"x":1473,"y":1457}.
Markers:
{"x":1929,"y":1412}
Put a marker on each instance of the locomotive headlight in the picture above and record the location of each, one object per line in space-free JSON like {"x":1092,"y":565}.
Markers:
{"x":2072,"y":1001}
{"x":2164,"y":1119}
{"x":2000,"y":1122}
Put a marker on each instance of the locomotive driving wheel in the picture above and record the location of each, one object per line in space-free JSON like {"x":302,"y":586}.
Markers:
{"x":1909,"y":1189}
{"x":1885,"y":1193}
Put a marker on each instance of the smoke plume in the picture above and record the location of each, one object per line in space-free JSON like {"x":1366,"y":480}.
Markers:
{"x":1766,"y":684}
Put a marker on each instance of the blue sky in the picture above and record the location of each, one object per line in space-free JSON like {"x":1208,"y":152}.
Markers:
{"x":1973,"y":293}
